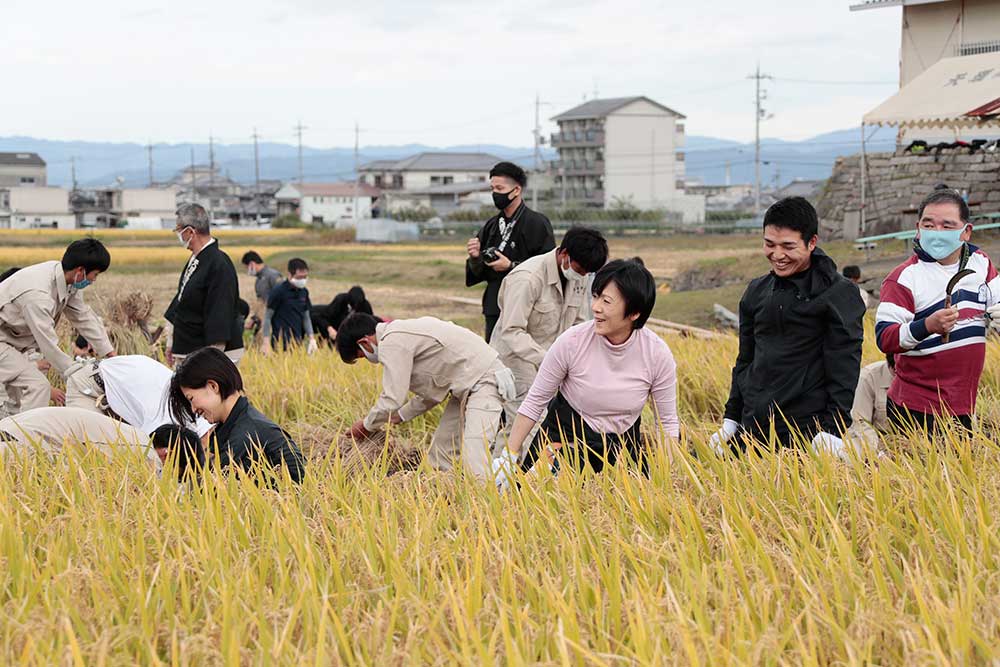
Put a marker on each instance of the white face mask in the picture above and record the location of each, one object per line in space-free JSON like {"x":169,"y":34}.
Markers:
{"x":251,"y":271}
{"x":180,"y":237}
{"x":371,"y":356}
{"x":298,"y":282}
{"x":571,"y":275}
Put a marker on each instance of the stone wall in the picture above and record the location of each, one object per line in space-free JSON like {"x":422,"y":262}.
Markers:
{"x":896,"y":184}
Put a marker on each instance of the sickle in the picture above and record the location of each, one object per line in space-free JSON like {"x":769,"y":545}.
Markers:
{"x":951,"y":288}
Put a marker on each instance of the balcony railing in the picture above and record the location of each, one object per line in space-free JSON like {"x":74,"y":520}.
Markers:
{"x":578,"y":138}
{"x":975,"y":48}
{"x":578,"y":167}
{"x":589,"y":196}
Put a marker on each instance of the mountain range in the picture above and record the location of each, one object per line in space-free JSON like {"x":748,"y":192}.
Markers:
{"x":100,"y":163}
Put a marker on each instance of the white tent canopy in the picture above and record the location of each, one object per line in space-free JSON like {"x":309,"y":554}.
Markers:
{"x":951,"y":93}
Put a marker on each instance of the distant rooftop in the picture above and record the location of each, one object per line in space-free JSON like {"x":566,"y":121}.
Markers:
{"x":429,"y":161}
{"x":31,"y":159}
{"x":601,"y":108}
{"x":334,"y":189}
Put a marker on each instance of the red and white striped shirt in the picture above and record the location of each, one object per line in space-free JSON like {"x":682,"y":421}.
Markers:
{"x":934,"y":377}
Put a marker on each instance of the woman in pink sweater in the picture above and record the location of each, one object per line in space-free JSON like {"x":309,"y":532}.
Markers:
{"x":597,"y":376}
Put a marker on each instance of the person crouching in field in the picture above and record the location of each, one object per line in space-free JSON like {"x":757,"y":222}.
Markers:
{"x":937,"y":377}
{"x":869,"y":409}
{"x":800,"y":341}
{"x":437,"y":361}
{"x":596,"y":378}
{"x":327,"y":319}
{"x":208,"y":384}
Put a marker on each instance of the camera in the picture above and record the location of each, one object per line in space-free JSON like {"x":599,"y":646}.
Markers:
{"x":490,"y":254}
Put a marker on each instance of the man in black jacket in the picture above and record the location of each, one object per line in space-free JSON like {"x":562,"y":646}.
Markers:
{"x":507,"y":239}
{"x":205,"y":311}
{"x":800,"y":341}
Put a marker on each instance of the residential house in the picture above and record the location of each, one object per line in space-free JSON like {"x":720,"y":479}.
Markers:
{"x":22,"y":170}
{"x":624,"y":150}
{"x":35,"y":207}
{"x":135,"y":208}
{"x":327,"y":203}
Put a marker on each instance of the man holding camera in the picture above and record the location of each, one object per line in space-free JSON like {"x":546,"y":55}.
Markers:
{"x":507,"y":239}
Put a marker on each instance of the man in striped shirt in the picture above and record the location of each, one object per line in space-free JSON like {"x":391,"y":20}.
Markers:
{"x":935,"y":378}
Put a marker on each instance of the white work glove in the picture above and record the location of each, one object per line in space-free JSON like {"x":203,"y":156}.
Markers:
{"x":723,"y":435}
{"x":831,"y":444}
{"x":312,"y":346}
{"x":504,"y":467}
{"x":505,"y":383}
{"x":993,"y":317}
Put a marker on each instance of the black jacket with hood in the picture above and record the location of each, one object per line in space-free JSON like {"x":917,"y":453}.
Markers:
{"x":800,"y":353}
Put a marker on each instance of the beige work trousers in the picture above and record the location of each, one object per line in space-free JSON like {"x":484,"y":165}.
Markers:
{"x":26,"y":386}
{"x":468,"y":428}
{"x":524,"y":375}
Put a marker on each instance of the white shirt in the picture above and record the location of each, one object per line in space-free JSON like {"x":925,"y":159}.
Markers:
{"x":136,"y":388}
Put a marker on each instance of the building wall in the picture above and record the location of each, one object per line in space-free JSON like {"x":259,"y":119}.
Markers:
{"x":418,"y":180}
{"x":146,"y":202}
{"x":936,"y":30}
{"x":17,"y":175}
{"x":333,"y":207}
{"x":640,"y":148}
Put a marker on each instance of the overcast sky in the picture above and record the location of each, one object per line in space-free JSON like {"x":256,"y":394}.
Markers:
{"x":439,"y":72}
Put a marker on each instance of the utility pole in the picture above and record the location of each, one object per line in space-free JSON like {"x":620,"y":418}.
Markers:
{"x":298,"y":130}
{"x":194,"y":179}
{"x":149,"y":152}
{"x":211,"y":176}
{"x":759,"y":116}
{"x":538,"y":152}
{"x":72,"y":170}
{"x":357,"y":175}
{"x":256,"y":177}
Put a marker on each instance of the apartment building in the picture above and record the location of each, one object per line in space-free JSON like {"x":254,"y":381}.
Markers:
{"x":35,"y":207}
{"x":22,"y":170}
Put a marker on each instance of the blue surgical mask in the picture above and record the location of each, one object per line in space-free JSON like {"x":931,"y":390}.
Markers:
{"x":80,"y":284}
{"x":939,"y":243}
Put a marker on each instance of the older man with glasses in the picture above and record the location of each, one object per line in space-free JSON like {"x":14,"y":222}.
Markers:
{"x":205,"y":311}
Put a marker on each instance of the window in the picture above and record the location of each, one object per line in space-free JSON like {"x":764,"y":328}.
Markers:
{"x":397,"y":180}
{"x":363,"y":178}
{"x":378,"y":181}
{"x":27,"y":180}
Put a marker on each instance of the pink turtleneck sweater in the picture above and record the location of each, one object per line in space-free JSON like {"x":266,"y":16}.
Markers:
{"x":607,"y":384}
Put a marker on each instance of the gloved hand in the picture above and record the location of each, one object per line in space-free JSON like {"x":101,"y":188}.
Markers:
{"x":358,"y":431}
{"x":993,"y":317}
{"x":505,"y":383}
{"x":312,"y":346}
{"x":826,"y":442}
{"x":723,"y":435}
{"x":504,"y":467}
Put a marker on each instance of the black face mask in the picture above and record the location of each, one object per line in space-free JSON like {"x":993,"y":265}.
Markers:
{"x":502,"y":199}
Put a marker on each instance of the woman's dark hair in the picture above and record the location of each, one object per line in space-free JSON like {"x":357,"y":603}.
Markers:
{"x":511,"y":171}
{"x":351,"y":330}
{"x":88,"y":253}
{"x":852,"y":272}
{"x":942,"y":194}
{"x":586,"y":247}
{"x":795,"y":213}
{"x":251,"y":256}
{"x":296,"y":264}
{"x":184,"y":444}
{"x":195,"y":371}
{"x":636,"y":284}
{"x":9,"y":272}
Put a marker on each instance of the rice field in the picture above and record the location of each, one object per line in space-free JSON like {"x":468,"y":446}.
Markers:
{"x":791,"y":558}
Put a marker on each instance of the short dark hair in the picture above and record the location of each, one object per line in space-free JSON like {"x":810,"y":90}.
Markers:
{"x":942,"y":194}
{"x":81,"y":342}
{"x":795,"y":213}
{"x":852,"y":272}
{"x":296,"y":264}
{"x":358,"y":301}
{"x":194,"y":372}
{"x":183,"y":444}
{"x":354,"y":327}
{"x":586,"y":246}
{"x":251,"y":256}
{"x":636,"y":284}
{"x":88,"y":253}
{"x":9,"y":272}
{"x":511,"y":171}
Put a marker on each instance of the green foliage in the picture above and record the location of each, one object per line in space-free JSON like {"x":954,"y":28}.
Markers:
{"x":414,"y":214}
{"x":288,"y":221}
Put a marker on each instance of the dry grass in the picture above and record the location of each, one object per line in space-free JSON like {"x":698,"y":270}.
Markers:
{"x":375,"y":559}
